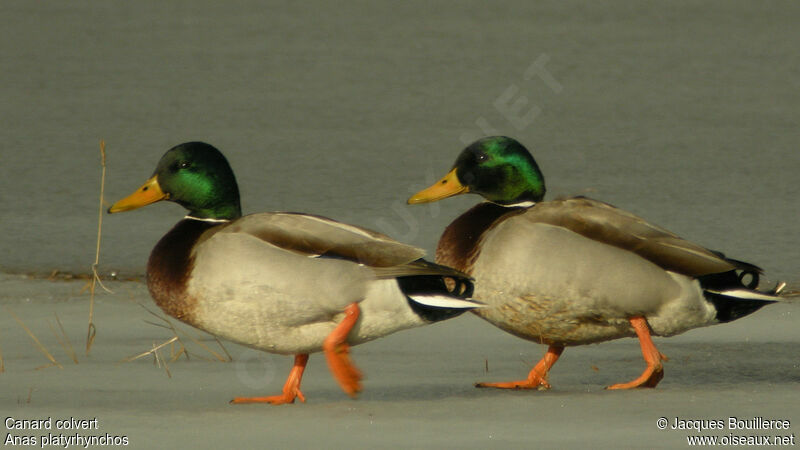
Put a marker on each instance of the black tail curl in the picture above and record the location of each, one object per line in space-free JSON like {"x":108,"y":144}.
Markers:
{"x":729,"y":307}
{"x":436,"y":285}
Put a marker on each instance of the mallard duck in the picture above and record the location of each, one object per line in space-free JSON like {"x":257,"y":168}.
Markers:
{"x":282,"y":282}
{"x":579,"y":271}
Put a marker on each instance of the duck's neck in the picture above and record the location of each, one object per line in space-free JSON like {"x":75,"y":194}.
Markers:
{"x":459,"y":245}
{"x":170,"y":265}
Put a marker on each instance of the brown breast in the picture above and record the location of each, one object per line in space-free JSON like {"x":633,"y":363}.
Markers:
{"x":459,"y":245}
{"x":170,"y":266}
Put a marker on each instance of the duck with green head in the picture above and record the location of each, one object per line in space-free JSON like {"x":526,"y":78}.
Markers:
{"x":284,"y":283}
{"x":578,"y":271}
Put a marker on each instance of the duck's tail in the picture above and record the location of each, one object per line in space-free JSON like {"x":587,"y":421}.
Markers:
{"x":734,"y":298}
{"x":437,"y":292}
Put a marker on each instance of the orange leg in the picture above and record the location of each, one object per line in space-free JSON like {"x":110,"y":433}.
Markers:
{"x":537,"y":378}
{"x":291,"y":389}
{"x":655,"y":370}
{"x":337,"y":352}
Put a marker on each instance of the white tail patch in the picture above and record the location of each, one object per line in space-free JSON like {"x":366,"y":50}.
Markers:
{"x":443,"y":301}
{"x":745,"y":294}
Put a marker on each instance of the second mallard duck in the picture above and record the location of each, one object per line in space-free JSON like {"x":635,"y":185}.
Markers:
{"x":579,"y":271}
{"x":281,"y":282}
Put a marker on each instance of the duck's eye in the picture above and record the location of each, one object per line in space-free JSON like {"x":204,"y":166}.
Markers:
{"x":184,"y":165}
{"x":481,"y":157}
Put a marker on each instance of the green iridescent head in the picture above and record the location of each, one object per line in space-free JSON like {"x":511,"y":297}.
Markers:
{"x":498,"y":168}
{"x":196,"y":176}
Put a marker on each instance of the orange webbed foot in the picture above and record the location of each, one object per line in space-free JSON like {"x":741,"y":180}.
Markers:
{"x":286,"y":397}
{"x":654,"y":372}
{"x":649,"y":379}
{"x":337,"y":353}
{"x":537,"y":378}
{"x":291,"y":389}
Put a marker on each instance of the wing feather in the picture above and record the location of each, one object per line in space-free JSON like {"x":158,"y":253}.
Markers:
{"x":312,"y":235}
{"x":605,"y":223}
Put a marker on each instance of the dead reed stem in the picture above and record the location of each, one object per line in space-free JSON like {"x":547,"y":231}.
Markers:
{"x":92,"y":330}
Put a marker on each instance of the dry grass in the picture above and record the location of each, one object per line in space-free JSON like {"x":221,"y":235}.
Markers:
{"x":38,"y":343}
{"x":151,"y":351}
{"x":91,"y":332}
{"x":160,"y":361}
{"x":157,"y":359}
{"x":26,"y":401}
{"x":227,"y":355}
{"x":178,"y":333}
{"x":176,"y":338}
{"x":63,"y":339}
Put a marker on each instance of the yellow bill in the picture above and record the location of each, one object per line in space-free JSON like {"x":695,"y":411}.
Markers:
{"x":150,"y":192}
{"x":448,"y":186}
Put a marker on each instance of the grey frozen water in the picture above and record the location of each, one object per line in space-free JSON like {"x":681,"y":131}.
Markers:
{"x":685,"y":113}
